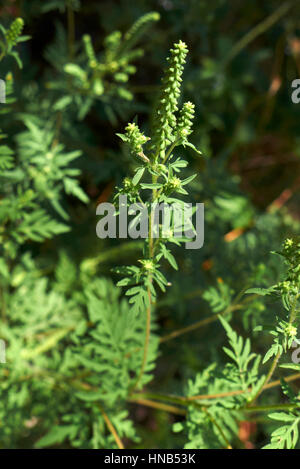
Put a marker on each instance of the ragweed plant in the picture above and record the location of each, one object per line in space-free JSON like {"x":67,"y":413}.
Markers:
{"x":109,"y":356}
{"x":162,"y":169}
{"x":284,"y":334}
{"x":219,"y":399}
{"x":10,"y":38}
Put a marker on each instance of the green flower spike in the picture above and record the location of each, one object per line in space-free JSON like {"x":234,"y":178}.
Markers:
{"x":165,"y":120}
{"x":136,"y":139}
{"x":14,"y":32}
{"x":185,"y":120}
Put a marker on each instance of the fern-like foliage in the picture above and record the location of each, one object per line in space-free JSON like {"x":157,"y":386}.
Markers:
{"x":213,"y":422}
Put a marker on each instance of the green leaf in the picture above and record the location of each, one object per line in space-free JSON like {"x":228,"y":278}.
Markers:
{"x":188,"y":180}
{"x":138,"y":175}
{"x":57,"y":434}
{"x":89,"y":396}
{"x":151,"y":186}
{"x":260,"y":291}
{"x":272,"y":351}
{"x":282,"y":416}
{"x":290,"y":366}
{"x":75,"y":70}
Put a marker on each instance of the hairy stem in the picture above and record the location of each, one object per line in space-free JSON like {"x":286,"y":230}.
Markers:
{"x":146,"y":343}
{"x":268,"y":408}
{"x":148,"y":312}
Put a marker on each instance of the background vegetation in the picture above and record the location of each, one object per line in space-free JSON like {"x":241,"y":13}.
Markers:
{"x":73,"y":344}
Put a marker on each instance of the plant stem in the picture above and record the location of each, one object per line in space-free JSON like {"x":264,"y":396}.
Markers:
{"x":146,"y":398}
{"x":165,"y":398}
{"x":267,"y":408}
{"x":159,"y":406}
{"x":111,"y":428}
{"x":171,"y":148}
{"x":191,"y":327}
{"x":148,"y":312}
{"x":181,"y":400}
{"x":217,"y":395}
{"x":146,"y":344}
{"x":204,"y":322}
{"x":277,"y":382}
{"x":268,"y":377}
{"x":198,"y":324}
{"x":178,"y":411}
{"x":215,"y":423}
